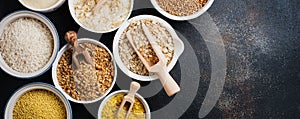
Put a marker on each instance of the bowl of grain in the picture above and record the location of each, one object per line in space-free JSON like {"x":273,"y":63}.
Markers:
{"x":103,"y":19}
{"x":126,"y":58}
{"x":42,"y":5}
{"x":111,"y":103}
{"x":36,"y":101}
{"x":182,"y":9}
{"x":28,"y":44}
{"x":106,"y":72}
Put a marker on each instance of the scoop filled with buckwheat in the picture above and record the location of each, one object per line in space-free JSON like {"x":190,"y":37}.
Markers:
{"x":84,"y":90}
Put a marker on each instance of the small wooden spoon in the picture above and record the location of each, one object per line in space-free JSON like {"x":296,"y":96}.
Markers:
{"x":134,"y":87}
{"x":71,"y":38}
{"x":83,"y":67}
{"x":160,"y":68}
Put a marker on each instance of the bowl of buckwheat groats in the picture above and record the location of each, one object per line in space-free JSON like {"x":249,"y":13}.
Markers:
{"x":165,"y":36}
{"x":182,"y":9}
{"x":38,"y":101}
{"x":105,"y":69}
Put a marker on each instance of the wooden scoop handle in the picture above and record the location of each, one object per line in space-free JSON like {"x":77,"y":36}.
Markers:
{"x":134,"y":87}
{"x":71,"y":37}
{"x":169,"y":84}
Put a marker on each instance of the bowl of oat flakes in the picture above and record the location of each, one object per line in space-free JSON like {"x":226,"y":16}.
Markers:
{"x":104,"y":17}
{"x":28,"y":44}
{"x":171,"y":45}
{"x":105,"y":67}
{"x":182,"y":9}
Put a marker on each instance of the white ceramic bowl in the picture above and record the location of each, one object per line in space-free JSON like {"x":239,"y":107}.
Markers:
{"x":178,"y":44}
{"x":146,"y":106}
{"x":182,"y":18}
{"x":54,"y":72}
{"x":49,"y":9}
{"x":71,"y":9}
{"x":32,"y":86}
{"x":20,"y":14}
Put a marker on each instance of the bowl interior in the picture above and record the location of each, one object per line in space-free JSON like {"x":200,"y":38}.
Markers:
{"x":178,"y":46}
{"x":49,"y":9}
{"x":14,"y":98}
{"x":71,"y":9}
{"x":20,"y":14}
{"x":55,"y":64}
{"x":146,"y":106}
{"x":182,"y":18}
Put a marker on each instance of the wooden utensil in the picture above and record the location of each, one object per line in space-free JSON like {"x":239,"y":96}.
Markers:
{"x":71,"y":38}
{"x":83,"y":67}
{"x":160,"y":67}
{"x":134,"y":87}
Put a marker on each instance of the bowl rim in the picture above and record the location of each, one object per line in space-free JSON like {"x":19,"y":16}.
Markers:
{"x":55,"y":64}
{"x":21,"y":14}
{"x":177,"y":51}
{"x":141,"y":98}
{"x":72,"y":12}
{"x":32,"y":86}
{"x":182,"y":18}
{"x":49,"y":9}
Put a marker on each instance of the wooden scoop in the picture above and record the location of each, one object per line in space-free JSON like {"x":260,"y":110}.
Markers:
{"x":71,"y":38}
{"x":160,"y":68}
{"x":84,"y":72}
{"x":134,"y":87}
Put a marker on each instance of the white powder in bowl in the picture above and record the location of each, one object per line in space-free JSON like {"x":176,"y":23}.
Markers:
{"x":40,"y":4}
{"x":111,"y":14}
{"x":26,"y":45}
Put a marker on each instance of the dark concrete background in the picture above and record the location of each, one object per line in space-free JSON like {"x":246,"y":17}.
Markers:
{"x":262,"y":44}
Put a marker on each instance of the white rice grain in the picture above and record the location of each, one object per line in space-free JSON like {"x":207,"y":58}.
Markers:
{"x":26,"y":45}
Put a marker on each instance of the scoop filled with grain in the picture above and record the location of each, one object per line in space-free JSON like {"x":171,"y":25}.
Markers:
{"x":110,"y":105}
{"x":165,"y":36}
{"x":74,"y":89}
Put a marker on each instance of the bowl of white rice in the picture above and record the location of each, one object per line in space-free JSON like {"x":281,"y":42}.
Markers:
{"x":28,"y":44}
{"x":103,"y":19}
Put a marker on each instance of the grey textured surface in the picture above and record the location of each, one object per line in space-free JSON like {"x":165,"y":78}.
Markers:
{"x":262,"y":45}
